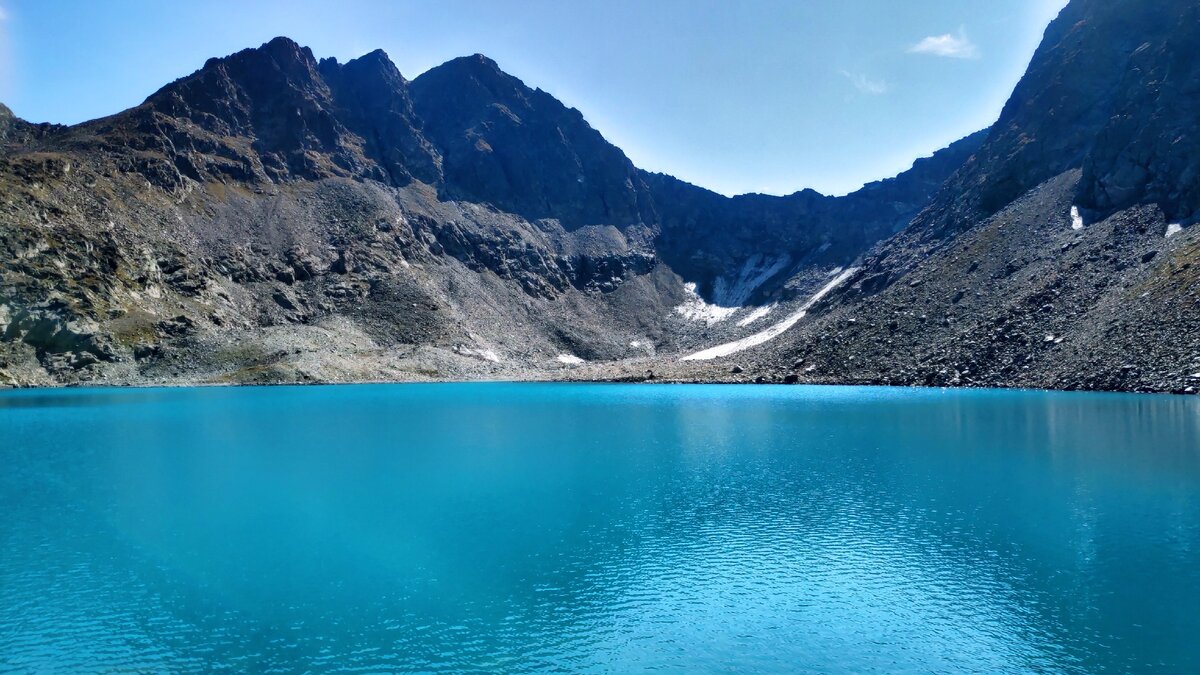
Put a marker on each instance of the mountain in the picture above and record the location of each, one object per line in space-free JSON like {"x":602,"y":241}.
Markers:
{"x":1059,"y":255}
{"x":704,"y":234}
{"x":524,"y":151}
{"x":273,"y":217}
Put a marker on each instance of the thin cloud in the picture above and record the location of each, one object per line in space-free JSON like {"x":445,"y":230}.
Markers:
{"x":947,"y":46}
{"x":865,"y":84}
{"x":3,"y":14}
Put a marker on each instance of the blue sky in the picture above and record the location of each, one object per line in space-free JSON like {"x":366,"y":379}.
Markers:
{"x":754,"y":96}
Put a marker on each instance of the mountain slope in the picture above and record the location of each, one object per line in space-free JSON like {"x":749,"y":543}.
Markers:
{"x":1059,"y":254}
{"x":275,"y":218}
{"x":272,"y":217}
{"x":705,"y":234}
{"x":1112,"y":90}
{"x":524,"y":151}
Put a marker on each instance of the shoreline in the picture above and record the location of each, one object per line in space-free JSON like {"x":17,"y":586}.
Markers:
{"x":4,"y":388}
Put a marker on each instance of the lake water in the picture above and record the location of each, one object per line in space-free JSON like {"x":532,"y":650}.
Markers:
{"x":502,"y":527}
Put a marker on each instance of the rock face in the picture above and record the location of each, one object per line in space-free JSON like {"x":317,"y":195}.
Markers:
{"x":524,"y":151}
{"x":275,"y":114}
{"x":276,"y":218}
{"x":1148,"y":151}
{"x":1112,"y":90}
{"x":705,"y":234}
{"x":1058,"y":254}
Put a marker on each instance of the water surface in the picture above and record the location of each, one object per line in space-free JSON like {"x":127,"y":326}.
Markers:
{"x":598,"y":527}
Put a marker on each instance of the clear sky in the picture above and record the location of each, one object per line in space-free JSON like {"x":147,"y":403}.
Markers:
{"x":753,"y":96}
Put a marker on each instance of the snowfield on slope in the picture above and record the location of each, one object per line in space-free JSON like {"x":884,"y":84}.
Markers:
{"x":756,"y":315}
{"x":728,"y":297}
{"x":486,"y":354}
{"x":1076,"y":218}
{"x":775,"y":330}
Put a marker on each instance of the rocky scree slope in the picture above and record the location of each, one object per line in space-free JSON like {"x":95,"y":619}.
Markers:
{"x":275,"y":218}
{"x":1062,"y":253}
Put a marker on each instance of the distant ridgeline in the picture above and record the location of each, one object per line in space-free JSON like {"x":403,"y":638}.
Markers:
{"x":277,"y":218}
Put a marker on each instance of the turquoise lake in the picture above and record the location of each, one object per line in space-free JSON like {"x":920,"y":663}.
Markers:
{"x":516,"y":527}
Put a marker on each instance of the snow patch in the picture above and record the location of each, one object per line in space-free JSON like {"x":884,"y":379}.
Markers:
{"x":485,"y":354}
{"x":754,"y":273}
{"x":1173,"y":228}
{"x":696,"y":308}
{"x":756,"y":315}
{"x":730,"y":296}
{"x":643,"y":346}
{"x":1076,"y":218}
{"x":774,"y":331}
{"x":568,"y":359}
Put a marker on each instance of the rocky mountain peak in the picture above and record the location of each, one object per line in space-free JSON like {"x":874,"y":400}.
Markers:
{"x":523,"y":150}
{"x":375,"y":67}
{"x":373,"y":100}
{"x":476,"y":66}
{"x":299,"y":119}
{"x":274,"y":97}
{"x":463,"y":89}
{"x":284,"y":50}
{"x":1148,"y":151}
{"x":1111,"y":90}
{"x":6,"y":120}
{"x":266,"y":71}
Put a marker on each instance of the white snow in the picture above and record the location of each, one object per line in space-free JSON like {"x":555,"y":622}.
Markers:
{"x":643,"y":346}
{"x":1174,"y":228}
{"x":754,"y":273}
{"x":695,"y":308}
{"x":569,"y":359}
{"x":775,"y":330}
{"x":757,"y":314}
{"x":1076,"y":218}
{"x":730,"y":296}
{"x":485,"y":354}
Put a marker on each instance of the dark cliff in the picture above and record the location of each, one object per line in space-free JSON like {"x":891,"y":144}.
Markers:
{"x":1060,"y":254}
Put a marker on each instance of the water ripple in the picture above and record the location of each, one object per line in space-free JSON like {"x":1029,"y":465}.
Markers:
{"x":516,"y":528}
